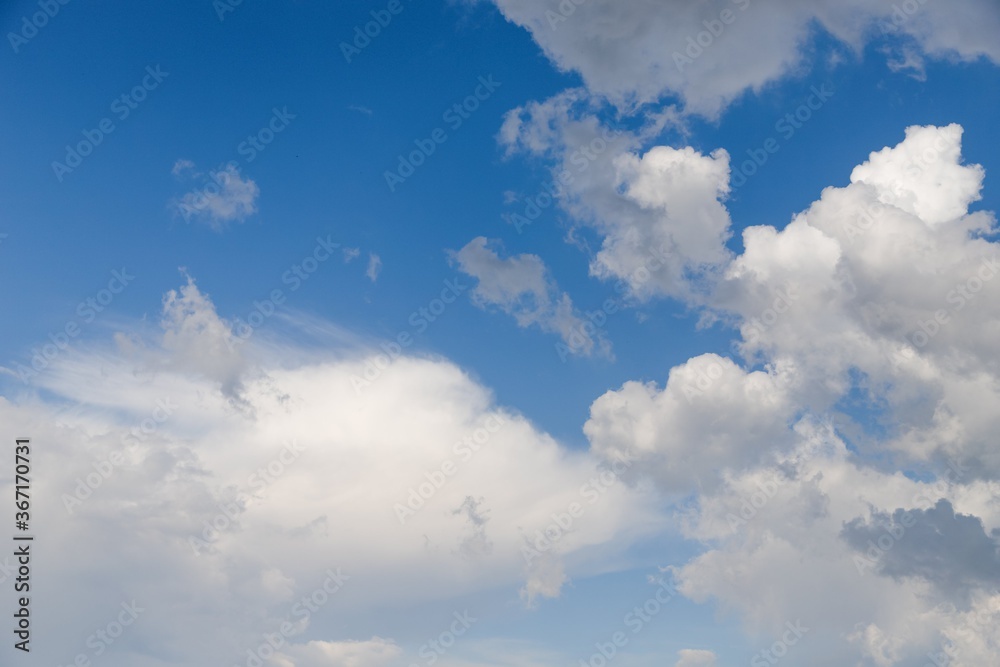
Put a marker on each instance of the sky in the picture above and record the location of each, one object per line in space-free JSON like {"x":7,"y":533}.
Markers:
{"x":482,"y":333}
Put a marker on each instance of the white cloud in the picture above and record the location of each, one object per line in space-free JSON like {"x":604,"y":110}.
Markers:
{"x":884,"y":287}
{"x":636,"y":52}
{"x":676,"y":434}
{"x":695,"y":658}
{"x":374,"y":652}
{"x":197,"y":341}
{"x":776,"y":545}
{"x":545,"y":578}
{"x":894,"y":280}
{"x":907,"y":60}
{"x":923,"y":175}
{"x":783,"y":507}
{"x":677,"y":192}
{"x":521,"y":287}
{"x":882,"y":291}
{"x":361,"y":109}
{"x":374,"y":266}
{"x":225,"y":510}
{"x":225,"y":197}
{"x":659,"y":213}
{"x":182,"y":166}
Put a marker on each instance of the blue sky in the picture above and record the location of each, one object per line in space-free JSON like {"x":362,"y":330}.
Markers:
{"x":214,"y":78}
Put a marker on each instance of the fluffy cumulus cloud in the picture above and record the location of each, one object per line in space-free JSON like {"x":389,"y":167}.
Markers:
{"x":521,"y":287}
{"x":889,"y":278}
{"x":707,"y":54}
{"x":884,"y":287}
{"x":711,"y":413}
{"x":196,"y":340}
{"x":818,"y":525}
{"x":659,"y":213}
{"x":253,"y":498}
{"x":924,"y":175}
{"x":231,"y":497}
{"x":250,"y":478}
{"x":883,"y":291}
